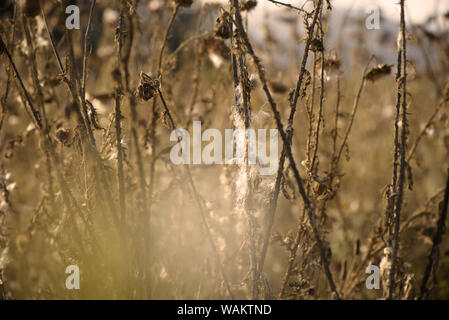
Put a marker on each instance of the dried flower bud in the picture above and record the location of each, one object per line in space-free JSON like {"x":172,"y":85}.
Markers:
{"x":248,"y":5}
{"x":30,"y":8}
{"x":332,"y":63}
{"x":222,"y":27}
{"x":378,"y":72}
{"x":216,"y":46}
{"x":184,"y":3}
{"x":147,"y":87}
{"x":145,"y":91}
{"x":316,"y":45}
{"x":62,"y":135}
{"x":277,"y":87}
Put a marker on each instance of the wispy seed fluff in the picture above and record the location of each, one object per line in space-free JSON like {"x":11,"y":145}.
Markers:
{"x":385,"y":269}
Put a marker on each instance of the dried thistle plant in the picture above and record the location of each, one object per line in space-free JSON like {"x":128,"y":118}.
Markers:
{"x":148,"y":87}
{"x":86,"y":160}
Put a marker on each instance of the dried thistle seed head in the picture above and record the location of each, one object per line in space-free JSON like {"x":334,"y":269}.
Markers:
{"x":332,"y":63}
{"x":222,"y":28}
{"x":319,"y":188}
{"x":62,"y":135}
{"x":145,"y":91}
{"x":316,"y":45}
{"x":277,"y":87}
{"x":51,"y":82}
{"x":148,"y":87}
{"x":253,"y":81}
{"x":378,"y":72}
{"x":184,"y":3}
{"x":216,"y":46}
{"x":30,"y":8}
{"x":248,"y":5}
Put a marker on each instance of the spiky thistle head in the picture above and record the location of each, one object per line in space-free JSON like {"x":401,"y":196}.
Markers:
{"x":148,"y":87}
{"x":222,"y":28}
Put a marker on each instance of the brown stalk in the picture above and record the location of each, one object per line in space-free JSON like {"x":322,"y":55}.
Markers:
{"x":243,"y":105}
{"x":308,"y":204}
{"x":402,"y":148}
{"x":276,"y":190}
{"x":118,"y":119}
{"x":154,"y":108}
